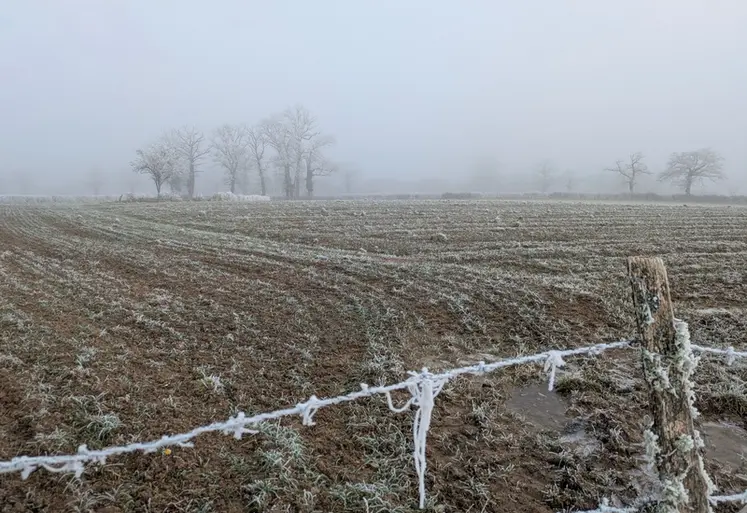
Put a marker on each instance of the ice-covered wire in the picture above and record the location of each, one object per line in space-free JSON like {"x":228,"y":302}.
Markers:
{"x":730,"y":353}
{"x":738,"y":498}
{"x":423,"y":387}
{"x":604,"y":507}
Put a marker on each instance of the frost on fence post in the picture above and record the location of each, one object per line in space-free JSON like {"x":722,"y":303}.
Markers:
{"x":673,"y":444}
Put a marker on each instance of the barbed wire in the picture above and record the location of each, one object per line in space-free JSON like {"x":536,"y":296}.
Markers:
{"x":738,"y":498}
{"x":423,"y":386}
{"x":604,"y":505}
{"x":730,"y":353}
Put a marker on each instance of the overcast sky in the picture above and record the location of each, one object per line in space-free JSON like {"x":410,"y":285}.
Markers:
{"x":409,"y":87}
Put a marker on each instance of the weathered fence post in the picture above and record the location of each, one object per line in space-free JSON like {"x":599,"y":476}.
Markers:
{"x":673,"y":446}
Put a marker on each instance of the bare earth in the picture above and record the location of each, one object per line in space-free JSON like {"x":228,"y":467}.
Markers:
{"x":124,"y":322}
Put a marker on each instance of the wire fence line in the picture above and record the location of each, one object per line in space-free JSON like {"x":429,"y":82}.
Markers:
{"x":604,"y":506}
{"x":423,"y":386}
{"x":730,"y":353}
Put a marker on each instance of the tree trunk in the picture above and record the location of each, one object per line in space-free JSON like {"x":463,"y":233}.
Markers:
{"x":288,"y":181}
{"x":297,"y":182}
{"x":191,"y":180}
{"x":309,"y":181}
{"x":631,"y":186}
{"x":262,"y":184}
{"x":158,"y":183}
{"x":691,"y":178}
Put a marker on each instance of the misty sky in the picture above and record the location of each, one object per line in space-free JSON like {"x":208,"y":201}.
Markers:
{"x":409,"y":87}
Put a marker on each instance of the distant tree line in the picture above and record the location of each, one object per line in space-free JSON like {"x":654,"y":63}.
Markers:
{"x":684,"y":170}
{"x":288,"y":149}
{"x":289,"y":144}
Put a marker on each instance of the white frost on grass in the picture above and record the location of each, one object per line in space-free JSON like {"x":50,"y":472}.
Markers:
{"x":229,"y":196}
{"x":211,"y":381}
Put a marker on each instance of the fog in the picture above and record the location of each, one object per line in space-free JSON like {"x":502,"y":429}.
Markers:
{"x":418,"y":94}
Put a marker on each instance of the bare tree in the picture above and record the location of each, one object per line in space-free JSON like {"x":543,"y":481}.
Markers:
{"x":257,"y":142}
{"x":693,"y":167}
{"x":279,"y":138}
{"x":632,"y":170}
{"x":176,"y":182}
{"x":231,"y":152}
{"x":545,"y":176}
{"x":316,"y":163}
{"x":190,"y":145}
{"x":289,"y":134}
{"x":158,"y":161}
{"x":304,"y":131}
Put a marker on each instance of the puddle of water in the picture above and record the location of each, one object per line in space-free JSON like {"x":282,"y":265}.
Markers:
{"x":544,"y":409}
{"x":725,"y":443}
{"x":580,"y":442}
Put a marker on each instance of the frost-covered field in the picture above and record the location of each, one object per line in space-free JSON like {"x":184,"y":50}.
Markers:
{"x":31,"y":199}
{"x":124,"y":321}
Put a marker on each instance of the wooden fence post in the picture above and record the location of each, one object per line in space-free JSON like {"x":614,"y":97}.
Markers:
{"x":672,"y":445}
